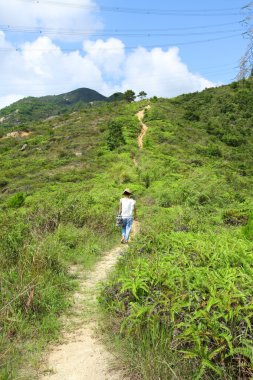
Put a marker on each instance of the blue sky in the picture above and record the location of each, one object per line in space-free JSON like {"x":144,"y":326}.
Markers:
{"x":206,"y":20}
{"x":162,"y":47}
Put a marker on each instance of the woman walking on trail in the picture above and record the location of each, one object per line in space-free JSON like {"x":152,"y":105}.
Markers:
{"x":127,"y":209}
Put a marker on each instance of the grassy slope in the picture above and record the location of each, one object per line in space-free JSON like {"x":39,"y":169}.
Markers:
{"x":193,"y":187}
{"x":18,"y":114}
{"x":181,"y":300}
{"x":58,"y":202}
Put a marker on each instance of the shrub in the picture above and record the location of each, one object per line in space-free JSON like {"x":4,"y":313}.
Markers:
{"x":248,"y":228}
{"x":115,"y":137}
{"x":191,"y":116}
{"x":233,"y":140}
{"x":211,"y":150}
{"x":165,"y":200}
{"x":235,"y":217}
{"x":16,"y":200}
{"x":3,"y":182}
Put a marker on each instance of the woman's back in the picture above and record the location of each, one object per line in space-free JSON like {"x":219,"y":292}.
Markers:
{"x":127,"y":205}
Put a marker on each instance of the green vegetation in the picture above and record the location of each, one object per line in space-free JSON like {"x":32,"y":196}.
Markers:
{"x":58,"y":203}
{"x":129,"y":96}
{"x":180,"y":300}
{"x":33,"y":109}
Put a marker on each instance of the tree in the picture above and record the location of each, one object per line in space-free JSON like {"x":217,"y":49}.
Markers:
{"x":115,"y":135}
{"x":129,"y":96}
{"x":142,"y":95}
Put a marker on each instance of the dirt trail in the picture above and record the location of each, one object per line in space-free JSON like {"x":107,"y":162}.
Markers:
{"x":144,"y":128}
{"x":81,"y":354}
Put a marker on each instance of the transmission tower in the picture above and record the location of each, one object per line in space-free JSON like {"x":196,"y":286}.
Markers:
{"x":246,"y":62}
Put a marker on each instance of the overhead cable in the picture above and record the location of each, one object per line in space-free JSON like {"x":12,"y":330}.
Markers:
{"x":48,"y":31}
{"x":144,"y":11}
{"x":168,"y":45}
{"x":38,"y":29}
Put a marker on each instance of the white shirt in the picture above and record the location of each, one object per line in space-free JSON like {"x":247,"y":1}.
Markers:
{"x":127,"y":205}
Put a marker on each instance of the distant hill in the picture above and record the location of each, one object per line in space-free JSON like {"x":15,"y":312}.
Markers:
{"x":33,"y":108}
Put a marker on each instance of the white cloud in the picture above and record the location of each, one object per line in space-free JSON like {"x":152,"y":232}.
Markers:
{"x":42,"y":68}
{"x":161,"y":73}
{"x":108,"y":55}
{"x":52,"y":16}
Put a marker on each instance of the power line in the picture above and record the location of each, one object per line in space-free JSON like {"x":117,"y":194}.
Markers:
{"x":39,"y":29}
{"x":146,"y":11}
{"x":127,"y":47}
{"x":48,"y":31}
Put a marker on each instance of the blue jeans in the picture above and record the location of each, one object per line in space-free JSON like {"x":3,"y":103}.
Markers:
{"x":126,"y":227}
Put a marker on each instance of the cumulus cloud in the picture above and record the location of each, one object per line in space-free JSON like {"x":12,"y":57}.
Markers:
{"x":41,"y":68}
{"x":161,"y":73}
{"x":51,"y":16}
{"x":108,"y":55}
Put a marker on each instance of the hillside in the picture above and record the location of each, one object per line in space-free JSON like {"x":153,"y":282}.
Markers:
{"x":180,"y":301}
{"x":29,"y":109}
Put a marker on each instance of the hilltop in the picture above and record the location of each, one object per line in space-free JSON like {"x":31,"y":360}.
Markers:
{"x":34,"y":109}
{"x":180,"y":299}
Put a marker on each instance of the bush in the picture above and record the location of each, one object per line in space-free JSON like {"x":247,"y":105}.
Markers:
{"x":233,"y":140}
{"x":191,"y":116}
{"x":211,"y":150}
{"x":115,"y":137}
{"x":16,"y":200}
{"x":3,"y":182}
{"x":165,"y":200}
{"x":235,"y":217}
{"x":248,"y":228}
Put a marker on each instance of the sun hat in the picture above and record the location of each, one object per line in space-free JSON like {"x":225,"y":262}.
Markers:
{"x":127,"y":191}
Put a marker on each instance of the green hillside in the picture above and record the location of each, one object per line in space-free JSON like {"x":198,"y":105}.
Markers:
{"x":18,"y":114}
{"x":180,"y":300}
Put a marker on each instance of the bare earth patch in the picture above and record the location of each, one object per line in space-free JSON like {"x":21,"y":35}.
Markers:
{"x":16,"y":134}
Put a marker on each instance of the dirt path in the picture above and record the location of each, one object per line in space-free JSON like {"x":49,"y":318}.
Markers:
{"x":81,"y":354}
{"x":144,"y":128}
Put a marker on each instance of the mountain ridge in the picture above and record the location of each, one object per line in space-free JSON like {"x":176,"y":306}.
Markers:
{"x":36,"y":108}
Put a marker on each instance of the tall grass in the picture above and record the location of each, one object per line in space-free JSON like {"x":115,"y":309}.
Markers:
{"x":38,"y":244}
{"x":180,"y":300}
{"x":57,"y":210}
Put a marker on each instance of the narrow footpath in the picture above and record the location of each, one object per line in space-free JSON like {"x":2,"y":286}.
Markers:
{"x":81,"y":354}
{"x":144,"y":128}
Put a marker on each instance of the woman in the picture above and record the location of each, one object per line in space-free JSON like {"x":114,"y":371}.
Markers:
{"x":127,"y":209}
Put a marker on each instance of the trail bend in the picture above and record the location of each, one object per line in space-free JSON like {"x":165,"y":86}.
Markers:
{"x":144,"y":128}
